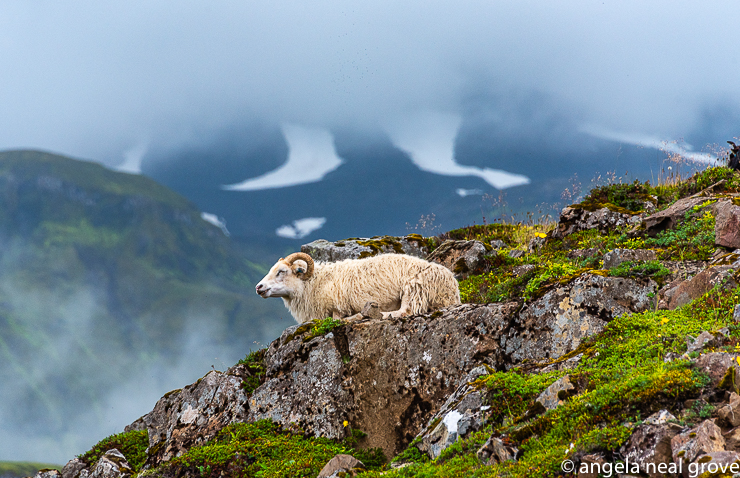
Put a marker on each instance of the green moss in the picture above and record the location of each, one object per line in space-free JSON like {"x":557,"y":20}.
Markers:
{"x":379,"y":245}
{"x":411,"y":454}
{"x":263,"y":449}
{"x":132,"y":445}
{"x":692,"y":239}
{"x":629,"y":198}
{"x":653,"y":269}
{"x":255,"y":364}
{"x":322,"y":327}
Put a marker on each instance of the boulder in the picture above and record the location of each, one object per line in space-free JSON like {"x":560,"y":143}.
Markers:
{"x":554,"y":395}
{"x":46,"y":473}
{"x":517,"y":253}
{"x":73,"y":468}
{"x":557,"y":323}
{"x":717,"y":366}
{"x":495,"y":450}
{"x":716,"y":463}
{"x":650,"y":443}
{"x":111,"y":465}
{"x":691,"y":289}
{"x":704,"y":339}
{"x":461,"y":257}
{"x":193,"y":415}
{"x":617,"y":256}
{"x":689,"y":445}
{"x":345,"y":464}
{"x":590,"y":466}
{"x":385,"y":377}
{"x":462,"y":414}
{"x":726,"y":224}
{"x":357,"y":248}
{"x":575,"y":218}
{"x":498,"y":244}
{"x":670,"y":217}
{"x":583,"y":253}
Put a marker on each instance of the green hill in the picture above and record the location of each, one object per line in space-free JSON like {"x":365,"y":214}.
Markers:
{"x":109,"y":284}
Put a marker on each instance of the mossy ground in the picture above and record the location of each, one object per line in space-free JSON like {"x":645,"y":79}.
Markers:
{"x":621,"y":378}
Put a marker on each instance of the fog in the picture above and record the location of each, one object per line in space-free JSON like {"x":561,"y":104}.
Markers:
{"x":105,"y":81}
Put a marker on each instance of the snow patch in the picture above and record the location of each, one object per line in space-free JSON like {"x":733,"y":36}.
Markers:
{"x":429,"y":140}
{"x":132,"y":159}
{"x":219,"y":222}
{"x":468,"y":192}
{"x":451,"y":420}
{"x":301,"y":227}
{"x":311,"y":156}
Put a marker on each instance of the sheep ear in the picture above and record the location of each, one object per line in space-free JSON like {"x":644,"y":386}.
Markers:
{"x":300,"y":267}
{"x":300,"y":270}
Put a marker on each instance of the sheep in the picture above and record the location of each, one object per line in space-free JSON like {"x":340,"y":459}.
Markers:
{"x":401,"y":285}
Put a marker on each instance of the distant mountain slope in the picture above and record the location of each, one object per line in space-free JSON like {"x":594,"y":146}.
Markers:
{"x":109,"y":284}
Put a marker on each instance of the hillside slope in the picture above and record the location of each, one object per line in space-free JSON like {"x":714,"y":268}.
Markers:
{"x":109,"y":284}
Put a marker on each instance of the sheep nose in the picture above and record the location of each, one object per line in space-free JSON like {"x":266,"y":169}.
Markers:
{"x":259,"y":288}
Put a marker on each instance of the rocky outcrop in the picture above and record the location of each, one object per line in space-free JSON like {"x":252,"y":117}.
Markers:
{"x":650,"y":443}
{"x":670,"y":217}
{"x":462,"y":413}
{"x":554,"y":395}
{"x":463,"y":258}
{"x":727,"y":224}
{"x":357,"y":248}
{"x":194,"y":415}
{"x":576,"y":218}
{"x":617,"y":256}
{"x":558,"y":322}
{"x":683,"y":292}
{"x":692,"y":444}
{"x":385,"y":377}
{"x":341,"y":465}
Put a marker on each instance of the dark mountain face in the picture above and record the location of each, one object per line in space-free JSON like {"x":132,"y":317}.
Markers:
{"x":110,"y":284}
{"x":379,"y":190}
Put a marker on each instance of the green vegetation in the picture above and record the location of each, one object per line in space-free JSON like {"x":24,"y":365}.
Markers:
{"x":262,"y":449}
{"x":13,"y":469}
{"x":322,"y":327}
{"x":255,"y":365}
{"x":653,"y":269}
{"x":132,"y":445}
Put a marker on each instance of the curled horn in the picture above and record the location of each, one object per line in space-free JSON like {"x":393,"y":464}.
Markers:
{"x":304,"y":257}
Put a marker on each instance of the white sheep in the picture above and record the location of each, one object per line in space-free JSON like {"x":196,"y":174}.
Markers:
{"x":400,"y":284}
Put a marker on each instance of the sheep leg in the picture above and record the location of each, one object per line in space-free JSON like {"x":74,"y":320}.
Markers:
{"x":412,"y":300}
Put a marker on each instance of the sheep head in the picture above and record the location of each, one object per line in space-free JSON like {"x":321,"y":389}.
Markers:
{"x":286,"y":276}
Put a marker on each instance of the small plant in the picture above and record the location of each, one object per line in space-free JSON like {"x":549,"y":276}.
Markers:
{"x":131,"y":444}
{"x":653,"y":269}
{"x":255,"y":364}
{"x":322,"y":327}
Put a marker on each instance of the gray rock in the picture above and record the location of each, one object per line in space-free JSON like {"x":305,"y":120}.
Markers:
{"x":536,"y":244}
{"x":669,"y":218}
{"x":617,"y":256}
{"x":575,"y":218}
{"x":385,"y":377}
{"x":736,"y":314}
{"x":46,"y":473}
{"x":554,"y":395}
{"x":704,"y":339}
{"x":590,"y":464}
{"x":462,"y":414}
{"x":498,"y":244}
{"x":495,"y":450}
{"x":660,"y":418}
{"x":463,"y":258}
{"x":729,"y":415}
{"x":356,"y":248}
{"x":650,"y":444}
{"x":689,"y":445}
{"x":726,"y":224}
{"x":583,"y":253}
{"x":371,"y":310}
{"x":195,"y":414}
{"x":516,"y":253}
{"x":111,"y":465}
{"x":340,"y":464}
{"x":73,"y":468}
{"x":557,"y":323}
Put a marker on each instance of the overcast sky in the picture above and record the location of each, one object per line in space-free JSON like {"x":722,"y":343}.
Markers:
{"x":99,"y":80}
